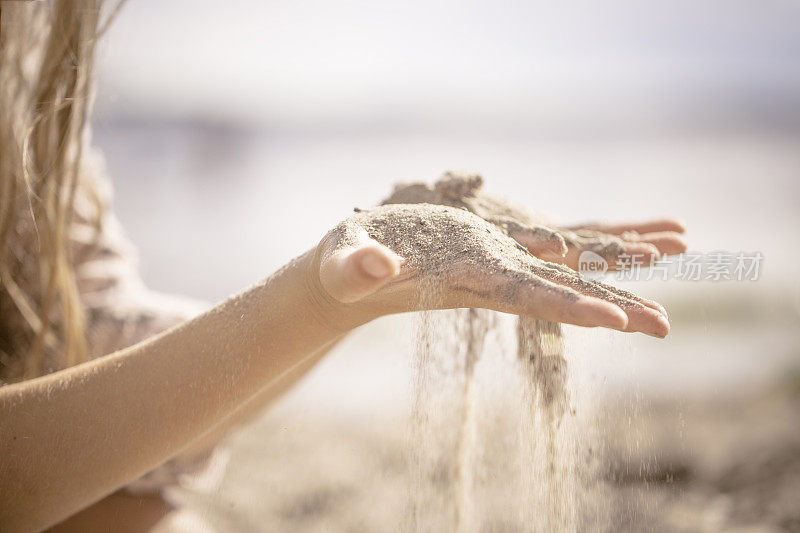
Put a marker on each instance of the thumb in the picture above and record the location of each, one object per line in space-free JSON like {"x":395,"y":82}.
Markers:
{"x":353,"y":272}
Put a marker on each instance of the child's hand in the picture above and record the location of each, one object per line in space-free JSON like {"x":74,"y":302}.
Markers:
{"x":644,"y":241}
{"x":397,"y":258}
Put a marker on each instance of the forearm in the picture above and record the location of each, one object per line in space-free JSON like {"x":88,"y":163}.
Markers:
{"x":101,"y":424}
{"x":260,"y":401}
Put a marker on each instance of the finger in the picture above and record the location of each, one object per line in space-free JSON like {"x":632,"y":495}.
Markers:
{"x":351,"y":273}
{"x":652,"y":304}
{"x":641,"y":254}
{"x":610,"y":248}
{"x":641,"y":316}
{"x":545,"y":300}
{"x":618,"y":257}
{"x":648,"y":226}
{"x":540,"y":240}
{"x":667,"y":242}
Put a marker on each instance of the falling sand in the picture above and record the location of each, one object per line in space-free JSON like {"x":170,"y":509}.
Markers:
{"x":471,"y":474}
{"x":461,"y":463}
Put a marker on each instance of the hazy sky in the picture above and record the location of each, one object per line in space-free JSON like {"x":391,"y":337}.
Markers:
{"x":319,"y":60}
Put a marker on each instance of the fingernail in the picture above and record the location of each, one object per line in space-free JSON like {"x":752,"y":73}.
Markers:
{"x":665,"y":327}
{"x":557,"y":245}
{"x":375,"y":266}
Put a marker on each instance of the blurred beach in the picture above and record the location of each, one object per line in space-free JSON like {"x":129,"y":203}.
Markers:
{"x":237,"y":134}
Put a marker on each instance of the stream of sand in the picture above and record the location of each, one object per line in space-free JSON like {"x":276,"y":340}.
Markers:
{"x":533,"y":474}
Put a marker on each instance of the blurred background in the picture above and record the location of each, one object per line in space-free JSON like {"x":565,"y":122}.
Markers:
{"x":236,"y":134}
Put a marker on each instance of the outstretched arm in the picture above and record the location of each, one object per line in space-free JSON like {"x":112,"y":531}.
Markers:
{"x":101,"y":424}
{"x":69,"y":438}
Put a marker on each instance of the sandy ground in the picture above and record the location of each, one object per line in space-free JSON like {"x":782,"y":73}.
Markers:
{"x":722,"y":465}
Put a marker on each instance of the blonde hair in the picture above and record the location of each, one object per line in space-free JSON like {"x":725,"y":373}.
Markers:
{"x":46,"y":61}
